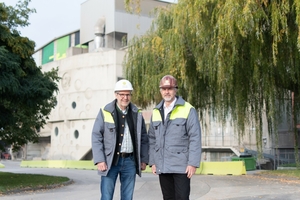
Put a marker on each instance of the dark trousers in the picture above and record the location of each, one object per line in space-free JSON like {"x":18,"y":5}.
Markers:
{"x":175,"y":186}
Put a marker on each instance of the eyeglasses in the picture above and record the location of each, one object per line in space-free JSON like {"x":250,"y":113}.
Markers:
{"x":123,"y":95}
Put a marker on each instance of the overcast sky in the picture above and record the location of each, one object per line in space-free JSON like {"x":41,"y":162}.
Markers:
{"x":53,"y":18}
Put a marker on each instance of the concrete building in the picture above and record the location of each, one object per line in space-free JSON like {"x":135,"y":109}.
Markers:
{"x":90,"y":63}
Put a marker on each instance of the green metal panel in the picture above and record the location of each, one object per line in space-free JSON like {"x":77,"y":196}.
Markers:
{"x":48,"y":53}
{"x":62,"y":45}
{"x":250,"y":162}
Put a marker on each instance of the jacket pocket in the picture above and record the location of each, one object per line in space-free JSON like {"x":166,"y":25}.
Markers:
{"x":109,"y":138}
{"x":179,"y":123}
{"x":110,"y":127}
{"x":177,"y":155}
{"x":178,"y":131}
{"x":178,"y":149}
{"x":156,"y":125}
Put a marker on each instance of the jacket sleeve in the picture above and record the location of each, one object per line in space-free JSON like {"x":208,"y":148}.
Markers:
{"x":144,"y":144}
{"x":151,"y":135}
{"x":97,"y":139}
{"x":194,"y":131}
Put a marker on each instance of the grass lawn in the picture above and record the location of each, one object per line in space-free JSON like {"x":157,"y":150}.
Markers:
{"x":286,"y":173}
{"x":11,"y":182}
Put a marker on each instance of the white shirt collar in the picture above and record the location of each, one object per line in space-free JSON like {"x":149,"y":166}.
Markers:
{"x":171,"y":105}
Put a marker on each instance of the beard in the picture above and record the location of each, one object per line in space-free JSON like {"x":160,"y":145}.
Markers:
{"x":168,"y":99}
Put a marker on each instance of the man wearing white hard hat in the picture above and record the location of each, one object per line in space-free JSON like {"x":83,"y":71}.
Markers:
{"x":119,"y":143}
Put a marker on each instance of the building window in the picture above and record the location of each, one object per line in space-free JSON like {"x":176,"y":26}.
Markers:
{"x":77,"y":38}
{"x":74,"y":105}
{"x":56,"y":131}
{"x":76,"y":134}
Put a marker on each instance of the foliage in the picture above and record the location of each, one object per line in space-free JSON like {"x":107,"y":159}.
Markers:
{"x":237,"y":59}
{"x":27,"y":94}
{"x":133,"y":6}
{"x":11,"y":182}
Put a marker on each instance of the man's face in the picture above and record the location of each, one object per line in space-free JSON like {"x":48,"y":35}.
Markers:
{"x":123,"y":98}
{"x":168,"y":94}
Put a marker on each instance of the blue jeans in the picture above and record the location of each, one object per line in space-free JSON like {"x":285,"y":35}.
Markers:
{"x":127,"y":171}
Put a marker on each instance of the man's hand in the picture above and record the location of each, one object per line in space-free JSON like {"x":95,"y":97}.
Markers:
{"x":143,"y":166}
{"x":102,"y":166}
{"x":190,"y":171}
{"x":153,"y":169}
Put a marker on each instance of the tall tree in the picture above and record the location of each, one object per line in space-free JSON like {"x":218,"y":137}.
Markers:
{"x":26,"y":93}
{"x":232,"y":57}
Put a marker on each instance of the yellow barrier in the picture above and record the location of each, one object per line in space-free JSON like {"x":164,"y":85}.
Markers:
{"x":69,"y":164}
{"x":222,"y":168}
{"x":34,"y":163}
{"x":200,"y":169}
{"x":148,"y":169}
{"x":2,"y":166}
{"x":206,"y":168}
{"x":84,"y":164}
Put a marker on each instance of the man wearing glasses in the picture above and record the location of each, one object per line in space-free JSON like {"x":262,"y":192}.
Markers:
{"x":119,"y":143}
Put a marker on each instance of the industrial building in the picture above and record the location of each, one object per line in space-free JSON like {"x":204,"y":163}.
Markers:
{"x":90,"y":63}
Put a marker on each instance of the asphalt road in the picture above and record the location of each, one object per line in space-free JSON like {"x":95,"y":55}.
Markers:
{"x":203,"y":187}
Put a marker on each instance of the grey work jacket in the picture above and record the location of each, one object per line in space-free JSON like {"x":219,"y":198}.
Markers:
{"x":176,"y":142}
{"x":104,"y":138}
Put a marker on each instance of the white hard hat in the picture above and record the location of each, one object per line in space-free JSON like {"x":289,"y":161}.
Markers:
{"x":123,"y":85}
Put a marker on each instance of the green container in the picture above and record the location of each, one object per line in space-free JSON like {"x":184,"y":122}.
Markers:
{"x":250,"y":162}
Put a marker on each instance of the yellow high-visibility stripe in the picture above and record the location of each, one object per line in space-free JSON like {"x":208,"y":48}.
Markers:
{"x":178,"y":112}
{"x":107,"y":116}
{"x":156,"y":117}
{"x":181,"y":111}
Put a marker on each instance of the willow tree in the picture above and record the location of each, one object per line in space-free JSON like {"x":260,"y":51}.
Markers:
{"x":234,"y":56}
